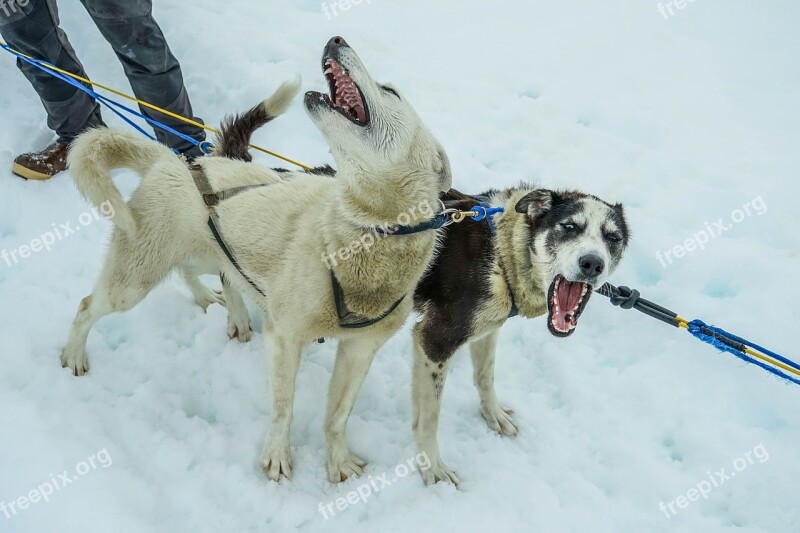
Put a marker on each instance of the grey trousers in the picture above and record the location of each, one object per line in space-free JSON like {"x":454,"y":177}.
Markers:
{"x":32,"y":27}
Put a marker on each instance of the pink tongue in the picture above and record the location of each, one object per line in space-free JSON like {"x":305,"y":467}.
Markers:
{"x":568,"y":295}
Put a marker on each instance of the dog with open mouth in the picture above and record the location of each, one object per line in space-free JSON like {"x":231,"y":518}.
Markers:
{"x":543,"y":255}
{"x":264,"y":231}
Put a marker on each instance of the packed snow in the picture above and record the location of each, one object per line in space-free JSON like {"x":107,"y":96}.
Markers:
{"x":685,"y":118}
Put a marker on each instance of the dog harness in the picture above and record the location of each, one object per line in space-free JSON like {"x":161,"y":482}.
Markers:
{"x":347,"y":318}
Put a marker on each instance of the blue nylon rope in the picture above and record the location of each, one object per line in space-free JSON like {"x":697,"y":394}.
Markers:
{"x":204,"y":146}
{"x":695,"y":329}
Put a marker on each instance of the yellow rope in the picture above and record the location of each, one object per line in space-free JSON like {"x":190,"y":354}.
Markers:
{"x":153,"y":107}
{"x":771,"y":361}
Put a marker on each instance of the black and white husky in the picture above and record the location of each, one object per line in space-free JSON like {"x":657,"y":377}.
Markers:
{"x":542,"y":256}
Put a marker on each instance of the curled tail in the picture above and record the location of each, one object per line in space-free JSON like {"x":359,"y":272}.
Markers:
{"x":92,"y":157}
{"x":235,"y":131}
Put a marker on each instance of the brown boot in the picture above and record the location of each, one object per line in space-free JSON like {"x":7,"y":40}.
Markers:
{"x":42,"y":165}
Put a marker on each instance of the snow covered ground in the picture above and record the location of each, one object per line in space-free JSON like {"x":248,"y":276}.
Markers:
{"x":684,"y":118}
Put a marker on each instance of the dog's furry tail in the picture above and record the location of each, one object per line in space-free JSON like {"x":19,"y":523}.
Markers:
{"x":92,"y":157}
{"x":235,"y":131}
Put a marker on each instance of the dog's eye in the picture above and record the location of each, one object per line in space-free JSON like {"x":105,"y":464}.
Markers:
{"x":569,"y":227}
{"x":613,"y":237}
{"x":390,"y":90}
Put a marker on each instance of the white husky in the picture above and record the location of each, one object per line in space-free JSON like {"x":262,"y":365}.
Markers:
{"x":388,"y":165}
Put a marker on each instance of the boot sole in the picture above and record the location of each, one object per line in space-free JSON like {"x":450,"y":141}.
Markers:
{"x":29,"y":174}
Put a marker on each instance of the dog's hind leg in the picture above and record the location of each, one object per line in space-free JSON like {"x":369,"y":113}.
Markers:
{"x":129,"y":274}
{"x":203,"y":295}
{"x":239,"y":325}
{"x":285,"y":353}
{"x":427,"y":388}
{"x":483,"y":356}
{"x":353,"y":359}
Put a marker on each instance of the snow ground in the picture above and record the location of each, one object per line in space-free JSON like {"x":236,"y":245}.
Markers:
{"x":684,"y":120}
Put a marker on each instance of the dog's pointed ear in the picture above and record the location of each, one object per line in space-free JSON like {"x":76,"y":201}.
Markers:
{"x":445,"y":173}
{"x":536,"y":203}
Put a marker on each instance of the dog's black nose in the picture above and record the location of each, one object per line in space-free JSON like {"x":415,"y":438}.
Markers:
{"x":337,"y":41}
{"x":592,"y":265}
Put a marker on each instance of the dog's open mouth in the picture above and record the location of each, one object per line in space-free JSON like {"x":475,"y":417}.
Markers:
{"x":345,"y":97}
{"x":565,"y":303}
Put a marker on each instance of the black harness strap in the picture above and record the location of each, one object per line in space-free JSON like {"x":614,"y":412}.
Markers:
{"x":212,"y":199}
{"x":229,"y":255}
{"x":347,"y":318}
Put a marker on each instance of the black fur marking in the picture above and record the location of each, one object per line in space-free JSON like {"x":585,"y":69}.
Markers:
{"x":456,"y":283}
{"x":618,"y":217}
{"x":325,"y":170}
{"x":235,"y":132}
{"x":563,"y":205}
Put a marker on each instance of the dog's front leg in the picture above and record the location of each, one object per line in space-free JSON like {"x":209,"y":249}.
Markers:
{"x":427,"y":388}
{"x":276,"y":459}
{"x":483,"y":356}
{"x":239,"y":325}
{"x":353,"y":359}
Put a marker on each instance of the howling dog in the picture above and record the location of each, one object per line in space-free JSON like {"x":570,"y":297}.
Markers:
{"x":263,"y":230}
{"x":543,"y":255}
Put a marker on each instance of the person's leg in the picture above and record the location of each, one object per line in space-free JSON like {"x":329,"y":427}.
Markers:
{"x":33,"y":29}
{"x":154,"y":73}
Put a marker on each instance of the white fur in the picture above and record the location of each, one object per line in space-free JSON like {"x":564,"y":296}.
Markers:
{"x":278,"y":234}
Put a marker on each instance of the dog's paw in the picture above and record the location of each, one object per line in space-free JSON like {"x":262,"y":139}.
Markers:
{"x":207,"y":297}
{"x":242,"y":331}
{"x":438,"y":471}
{"x":347,"y":466}
{"x":500,"y":419}
{"x":75,"y":361}
{"x":276,"y":461}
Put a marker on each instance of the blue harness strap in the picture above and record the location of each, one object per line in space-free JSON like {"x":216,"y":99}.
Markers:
{"x":439,"y":221}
